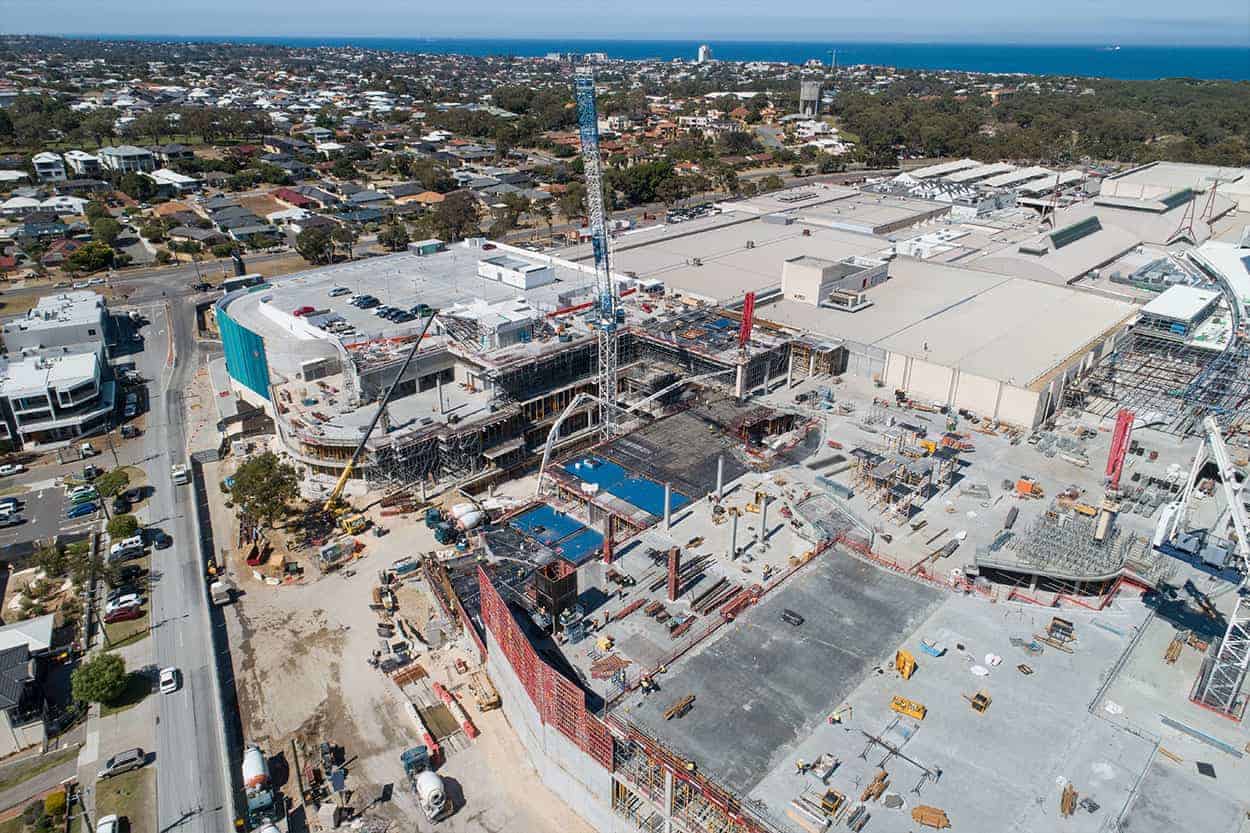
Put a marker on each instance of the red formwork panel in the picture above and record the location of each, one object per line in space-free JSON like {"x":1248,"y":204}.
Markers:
{"x":558,"y":701}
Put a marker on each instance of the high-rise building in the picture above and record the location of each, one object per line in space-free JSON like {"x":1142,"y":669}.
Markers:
{"x":705,"y":54}
{"x":809,"y":98}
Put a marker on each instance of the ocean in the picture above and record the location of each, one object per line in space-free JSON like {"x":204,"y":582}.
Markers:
{"x":1125,"y":62}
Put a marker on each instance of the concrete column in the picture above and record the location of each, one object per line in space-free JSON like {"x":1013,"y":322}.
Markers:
{"x":740,"y":382}
{"x":762,"y":533}
{"x":733,"y":536}
{"x":674,"y":566}
{"x":668,"y":505}
{"x":423,"y":490}
{"x":720,"y":476}
{"x":607,"y":540}
{"x":790,"y":371}
{"x":668,"y":801}
{"x":811,"y":363}
{"x":441,"y":409}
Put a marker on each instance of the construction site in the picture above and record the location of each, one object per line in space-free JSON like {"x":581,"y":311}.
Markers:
{"x":778,"y":531}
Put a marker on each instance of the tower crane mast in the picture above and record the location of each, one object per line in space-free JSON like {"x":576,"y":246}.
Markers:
{"x":605,"y":292}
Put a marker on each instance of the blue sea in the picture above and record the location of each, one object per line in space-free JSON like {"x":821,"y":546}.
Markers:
{"x":1110,"y":61}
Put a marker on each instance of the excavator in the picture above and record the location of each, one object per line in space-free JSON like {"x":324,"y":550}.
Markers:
{"x":335,"y":506}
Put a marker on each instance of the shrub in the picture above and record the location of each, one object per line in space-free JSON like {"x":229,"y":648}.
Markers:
{"x":54,"y":804}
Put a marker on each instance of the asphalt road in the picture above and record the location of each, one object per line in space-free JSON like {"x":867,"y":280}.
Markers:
{"x":192,"y":796}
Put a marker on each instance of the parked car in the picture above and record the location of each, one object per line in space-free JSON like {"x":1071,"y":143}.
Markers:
{"x":158,"y":538}
{"x":123,"y":762}
{"x":124,"y":601}
{"x":129,"y":432}
{"x":79,"y":493}
{"x":129,"y":574}
{"x":123,"y":590}
{"x":123,"y":614}
{"x":108,"y":824}
{"x":134,"y":494}
{"x":300,"y":312}
{"x":11,"y":468}
{"x":82,"y":510}
{"x":120,"y":505}
{"x":91,"y":472}
{"x":11,"y":519}
{"x":10,"y":504}
{"x":339,"y":290}
{"x":170,"y":680}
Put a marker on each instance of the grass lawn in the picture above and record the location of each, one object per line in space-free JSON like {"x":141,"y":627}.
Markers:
{"x":29,"y":769}
{"x":132,"y":630}
{"x":138,"y":687}
{"x":132,"y":796}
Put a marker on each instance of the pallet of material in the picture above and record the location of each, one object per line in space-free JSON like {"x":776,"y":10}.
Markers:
{"x":653,"y":608}
{"x":806,"y":819}
{"x":682,"y":628}
{"x":930,"y":817}
{"x":628,"y":609}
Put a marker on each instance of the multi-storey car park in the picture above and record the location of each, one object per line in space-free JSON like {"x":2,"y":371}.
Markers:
{"x":679,"y":619}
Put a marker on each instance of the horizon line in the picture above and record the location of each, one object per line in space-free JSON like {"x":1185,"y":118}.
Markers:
{"x":595,"y":39}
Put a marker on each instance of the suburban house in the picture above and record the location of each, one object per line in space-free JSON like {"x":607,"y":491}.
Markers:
{"x":24,"y":649}
{"x":49,"y":167}
{"x":127,"y":159}
{"x":82,"y":163}
{"x":168,"y":154}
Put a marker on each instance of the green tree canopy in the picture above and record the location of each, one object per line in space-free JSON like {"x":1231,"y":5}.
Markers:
{"x":314,"y":245}
{"x":264,"y":485}
{"x":101,"y":679}
{"x":91,"y":257}
{"x":394,"y":237}
{"x":456,"y":216}
{"x":106,"y":230}
{"x":112,"y":482}
{"x":122,"y":526}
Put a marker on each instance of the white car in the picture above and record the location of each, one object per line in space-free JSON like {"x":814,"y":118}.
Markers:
{"x":129,"y":600}
{"x":11,"y":468}
{"x":339,"y":290}
{"x":108,"y":824}
{"x":170,"y":679}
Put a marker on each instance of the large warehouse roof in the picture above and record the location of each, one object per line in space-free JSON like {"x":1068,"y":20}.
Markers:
{"x":721,"y":261}
{"x":991,"y":325}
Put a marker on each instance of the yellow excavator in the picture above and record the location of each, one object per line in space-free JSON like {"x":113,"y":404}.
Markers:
{"x":334,"y":504}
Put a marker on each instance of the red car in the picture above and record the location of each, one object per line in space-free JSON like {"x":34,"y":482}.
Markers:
{"x":304,"y":310}
{"x":124,"y":614}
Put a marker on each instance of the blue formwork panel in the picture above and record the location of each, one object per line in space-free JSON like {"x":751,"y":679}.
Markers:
{"x":646,"y":494}
{"x":546,"y":525}
{"x":581,"y":547}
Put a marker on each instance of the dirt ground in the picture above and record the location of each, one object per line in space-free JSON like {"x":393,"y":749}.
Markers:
{"x":301,"y":654}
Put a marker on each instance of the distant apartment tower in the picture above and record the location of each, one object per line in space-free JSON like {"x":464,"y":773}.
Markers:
{"x":705,"y":54}
{"x":809,"y":98}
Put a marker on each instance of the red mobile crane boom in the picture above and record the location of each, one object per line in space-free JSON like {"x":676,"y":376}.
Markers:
{"x":1119,"y":447}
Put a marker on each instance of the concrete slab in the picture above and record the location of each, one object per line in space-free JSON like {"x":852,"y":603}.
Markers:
{"x":764,"y":684}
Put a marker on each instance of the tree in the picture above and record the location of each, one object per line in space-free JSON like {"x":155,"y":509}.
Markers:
{"x":772,"y":182}
{"x":394,"y":237}
{"x":137,"y":187}
{"x":343,"y":168}
{"x":101,"y":679}
{"x":314,"y":245}
{"x":456,"y":216}
{"x":263,"y":486}
{"x":163,"y":256}
{"x":95,"y":210}
{"x":544,"y":213}
{"x":122,"y":526}
{"x":106,"y":230}
{"x":573,"y":201}
{"x":91,"y":257}
{"x":112,"y":482}
{"x":344,"y":236}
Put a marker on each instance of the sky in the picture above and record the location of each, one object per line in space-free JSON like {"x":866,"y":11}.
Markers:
{"x":1164,"y":22}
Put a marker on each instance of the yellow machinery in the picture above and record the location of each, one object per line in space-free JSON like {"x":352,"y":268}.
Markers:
{"x":754,"y":505}
{"x":353,"y":524}
{"x":831,"y":802}
{"x":605,"y":643}
{"x":979,"y":701}
{"x":905,"y":663}
{"x":332,"y":504}
{"x":910,"y":708}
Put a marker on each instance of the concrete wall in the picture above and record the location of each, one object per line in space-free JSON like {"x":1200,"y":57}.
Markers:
{"x":566,"y":770}
{"x":15,"y":738}
{"x":986,"y":397}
